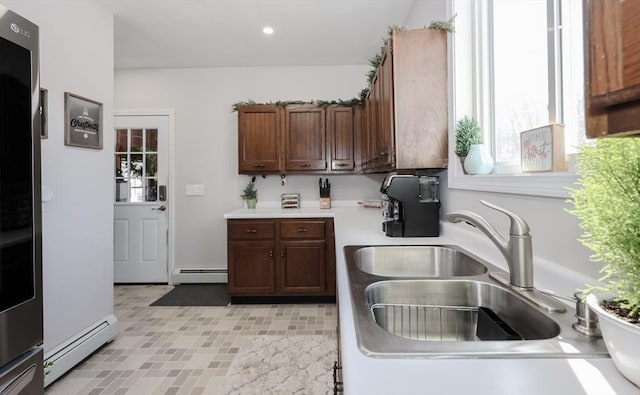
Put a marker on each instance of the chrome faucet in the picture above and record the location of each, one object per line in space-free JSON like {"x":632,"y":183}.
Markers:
{"x":517,"y":250}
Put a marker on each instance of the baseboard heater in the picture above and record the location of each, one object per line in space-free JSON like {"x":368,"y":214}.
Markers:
{"x":199,"y":275}
{"x":67,"y":355}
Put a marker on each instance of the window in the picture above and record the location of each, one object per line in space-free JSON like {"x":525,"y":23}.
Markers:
{"x":136,"y":165}
{"x":529,"y":72}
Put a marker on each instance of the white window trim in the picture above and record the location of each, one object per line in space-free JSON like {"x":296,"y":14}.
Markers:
{"x":461,"y":102}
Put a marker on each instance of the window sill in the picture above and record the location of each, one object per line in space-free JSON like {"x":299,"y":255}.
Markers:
{"x":553,"y":185}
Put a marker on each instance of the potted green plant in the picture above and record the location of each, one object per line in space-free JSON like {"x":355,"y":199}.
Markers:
{"x":250,"y":194}
{"x":607,"y":203}
{"x":468,"y":132}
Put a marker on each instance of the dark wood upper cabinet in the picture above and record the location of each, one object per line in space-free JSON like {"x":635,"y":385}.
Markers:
{"x":305,"y":138}
{"x":360,"y":137}
{"x":296,"y":139}
{"x":612,"y":63}
{"x":341,"y":132}
{"x":259,"y":139}
{"x":386,"y":141}
{"x":407,"y":106}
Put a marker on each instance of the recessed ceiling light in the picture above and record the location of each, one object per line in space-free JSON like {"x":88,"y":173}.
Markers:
{"x":268,"y":30}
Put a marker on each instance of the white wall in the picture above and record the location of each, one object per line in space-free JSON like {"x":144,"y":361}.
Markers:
{"x":206,"y":149}
{"x":76,"y":55}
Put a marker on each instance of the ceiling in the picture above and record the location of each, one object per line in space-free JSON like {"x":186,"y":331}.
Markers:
{"x":219,"y":33}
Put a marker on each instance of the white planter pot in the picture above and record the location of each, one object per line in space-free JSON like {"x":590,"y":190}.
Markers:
{"x":478,"y":160}
{"x":621,"y":338}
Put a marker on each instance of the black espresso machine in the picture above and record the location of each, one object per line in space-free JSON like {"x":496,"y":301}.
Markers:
{"x":411,"y":206}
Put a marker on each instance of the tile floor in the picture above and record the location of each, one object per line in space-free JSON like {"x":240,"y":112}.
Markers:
{"x":182,"y":350}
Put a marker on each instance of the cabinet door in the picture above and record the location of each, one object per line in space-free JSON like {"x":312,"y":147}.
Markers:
{"x":302,"y":267}
{"x":360,"y":137}
{"x":251,"y":268}
{"x":259,"y":139}
{"x":387,"y":127}
{"x":340,"y":128}
{"x":369,"y":133}
{"x":305,"y":138}
{"x":612,"y":96}
{"x":374,"y":123}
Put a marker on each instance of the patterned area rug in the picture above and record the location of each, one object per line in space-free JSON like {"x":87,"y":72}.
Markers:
{"x":283,"y":365}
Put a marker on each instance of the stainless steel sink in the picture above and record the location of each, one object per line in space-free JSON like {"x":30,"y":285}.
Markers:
{"x":455,"y":310}
{"x":417,"y":261}
{"x":401,"y":310}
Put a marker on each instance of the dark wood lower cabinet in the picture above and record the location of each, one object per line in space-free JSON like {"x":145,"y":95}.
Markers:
{"x":253,"y":269}
{"x":303,"y":267}
{"x":281,"y":257}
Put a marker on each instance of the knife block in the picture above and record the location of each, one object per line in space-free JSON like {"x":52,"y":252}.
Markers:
{"x":325,"y":202}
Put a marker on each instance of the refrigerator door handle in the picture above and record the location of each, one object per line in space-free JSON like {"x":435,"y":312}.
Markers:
{"x":16,"y":385}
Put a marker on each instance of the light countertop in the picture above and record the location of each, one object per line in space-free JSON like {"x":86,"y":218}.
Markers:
{"x":370,"y":375}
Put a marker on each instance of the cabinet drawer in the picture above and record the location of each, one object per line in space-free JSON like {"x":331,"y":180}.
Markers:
{"x":302,"y":229}
{"x":251,"y":230}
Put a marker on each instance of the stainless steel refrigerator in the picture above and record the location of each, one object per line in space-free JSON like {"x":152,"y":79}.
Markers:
{"x":21,"y":325}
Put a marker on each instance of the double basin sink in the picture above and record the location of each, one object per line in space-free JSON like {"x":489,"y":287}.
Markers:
{"x":439,"y":301}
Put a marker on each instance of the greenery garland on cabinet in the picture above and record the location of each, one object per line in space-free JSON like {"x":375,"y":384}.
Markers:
{"x":447,"y":26}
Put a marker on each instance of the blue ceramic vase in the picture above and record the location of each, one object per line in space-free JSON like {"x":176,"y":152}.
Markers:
{"x":478,"y":160}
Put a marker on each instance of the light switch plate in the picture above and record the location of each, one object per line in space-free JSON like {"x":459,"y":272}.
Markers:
{"x":194,"y":190}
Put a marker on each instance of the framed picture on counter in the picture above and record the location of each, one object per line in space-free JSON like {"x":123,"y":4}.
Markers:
{"x":83,"y":122}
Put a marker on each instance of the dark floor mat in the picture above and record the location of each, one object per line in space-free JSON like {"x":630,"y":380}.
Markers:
{"x":195,"y":295}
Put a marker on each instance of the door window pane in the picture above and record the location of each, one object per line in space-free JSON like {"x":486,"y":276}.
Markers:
{"x":135,"y":190}
{"x":152,"y":140}
{"x":122,"y":165}
{"x":136,"y":140}
{"x":121,"y":140}
{"x":152,"y":190}
{"x":151,"y":167}
{"x":136,"y":165}
{"x":122,"y":190}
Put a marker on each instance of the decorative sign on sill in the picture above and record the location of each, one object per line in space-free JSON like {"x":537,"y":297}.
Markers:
{"x":542,"y":149}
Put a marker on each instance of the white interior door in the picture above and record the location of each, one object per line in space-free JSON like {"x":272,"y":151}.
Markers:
{"x":141,"y":203}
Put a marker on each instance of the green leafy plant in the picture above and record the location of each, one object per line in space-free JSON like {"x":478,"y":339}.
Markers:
{"x":608,"y":206}
{"x":468,"y":132}
{"x":448,"y":25}
{"x":250,"y":191}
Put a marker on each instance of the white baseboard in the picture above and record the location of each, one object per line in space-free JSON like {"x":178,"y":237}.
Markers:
{"x":73,"y":351}
{"x":200,"y":275}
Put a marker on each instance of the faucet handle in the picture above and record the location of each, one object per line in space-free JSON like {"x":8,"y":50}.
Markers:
{"x":519,"y":226}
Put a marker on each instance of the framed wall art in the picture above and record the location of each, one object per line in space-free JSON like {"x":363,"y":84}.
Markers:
{"x":83,"y":122}
{"x":542,"y":149}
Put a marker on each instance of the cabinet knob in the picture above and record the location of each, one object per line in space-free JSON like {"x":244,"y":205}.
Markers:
{"x":302,"y":230}
{"x":270,"y":253}
{"x":342,"y":164}
{"x":384,"y":153}
{"x":259,"y":165}
{"x":306,"y":165}
{"x":252,"y":231}
{"x":282,"y":253}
